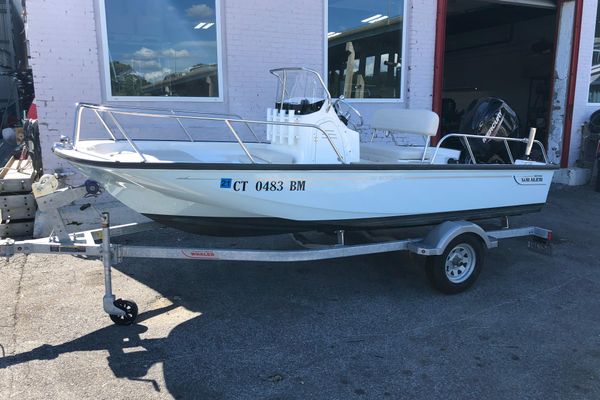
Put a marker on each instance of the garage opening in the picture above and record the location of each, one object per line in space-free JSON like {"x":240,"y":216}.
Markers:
{"x":503,"y":49}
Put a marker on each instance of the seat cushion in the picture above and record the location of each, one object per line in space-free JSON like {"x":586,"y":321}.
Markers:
{"x":385,"y":152}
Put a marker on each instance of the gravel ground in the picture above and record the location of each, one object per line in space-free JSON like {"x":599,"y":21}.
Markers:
{"x":366,"y":327}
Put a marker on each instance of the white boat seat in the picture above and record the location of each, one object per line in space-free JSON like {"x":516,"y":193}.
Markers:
{"x":390,"y":153}
{"x":419,"y":122}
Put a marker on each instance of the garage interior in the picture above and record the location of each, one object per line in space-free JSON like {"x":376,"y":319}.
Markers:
{"x":503,"y":49}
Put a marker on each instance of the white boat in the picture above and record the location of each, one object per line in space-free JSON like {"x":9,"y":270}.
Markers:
{"x":310,"y":173}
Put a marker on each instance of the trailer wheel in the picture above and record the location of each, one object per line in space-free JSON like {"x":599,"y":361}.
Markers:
{"x":131,"y":312}
{"x":459,"y":265}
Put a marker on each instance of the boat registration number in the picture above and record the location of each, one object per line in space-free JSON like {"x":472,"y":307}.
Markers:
{"x":263,"y":186}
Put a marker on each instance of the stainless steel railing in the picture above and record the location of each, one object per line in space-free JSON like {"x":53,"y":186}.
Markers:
{"x":227,"y":119}
{"x":465,"y":141}
{"x":230,"y":119}
{"x":464,"y":137}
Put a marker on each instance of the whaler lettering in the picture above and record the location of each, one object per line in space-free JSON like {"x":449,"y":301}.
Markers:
{"x":199,"y":254}
{"x":532,"y":179}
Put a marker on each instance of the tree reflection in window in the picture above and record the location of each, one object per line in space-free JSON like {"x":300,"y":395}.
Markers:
{"x":162,"y":47}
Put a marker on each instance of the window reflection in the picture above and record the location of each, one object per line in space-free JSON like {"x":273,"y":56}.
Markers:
{"x":365,"y":48}
{"x":594,"y":95}
{"x":162,"y":47}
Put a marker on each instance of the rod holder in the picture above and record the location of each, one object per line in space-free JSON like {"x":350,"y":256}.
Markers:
{"x":530,"y":140}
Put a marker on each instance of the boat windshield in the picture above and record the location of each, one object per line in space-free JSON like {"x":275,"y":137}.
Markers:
{"x":300,"y":89}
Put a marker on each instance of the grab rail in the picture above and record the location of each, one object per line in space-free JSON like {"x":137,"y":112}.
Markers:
{"x":112,"y":111}
{"x":173,"y":111}
{"x":465,"y":137}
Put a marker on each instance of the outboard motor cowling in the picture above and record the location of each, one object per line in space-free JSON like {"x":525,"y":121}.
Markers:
{"x":490,"y":117}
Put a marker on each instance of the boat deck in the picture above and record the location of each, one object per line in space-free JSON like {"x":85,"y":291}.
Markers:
{"x":262,"y":153}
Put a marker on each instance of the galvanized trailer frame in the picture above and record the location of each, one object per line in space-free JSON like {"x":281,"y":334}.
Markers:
{"x":124,"y":312}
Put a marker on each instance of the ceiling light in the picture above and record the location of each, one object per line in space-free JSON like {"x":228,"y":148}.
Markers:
{"x":208,"y":25}
{"x":378,"y":19}
{"x":371,"y":18}
{"x":333,"y":34}
{"x":200,"y":25}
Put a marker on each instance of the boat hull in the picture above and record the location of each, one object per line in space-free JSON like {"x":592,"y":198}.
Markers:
{"x":241,"y":200}
{"x":250,"y":226}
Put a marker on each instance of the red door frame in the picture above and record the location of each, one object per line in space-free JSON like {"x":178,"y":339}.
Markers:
{"x":438,"y":69}
{"x":438,"y":63}
{"x":570,"y":102}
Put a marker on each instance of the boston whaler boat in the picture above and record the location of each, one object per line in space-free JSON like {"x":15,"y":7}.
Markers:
{"x":311,"y":173}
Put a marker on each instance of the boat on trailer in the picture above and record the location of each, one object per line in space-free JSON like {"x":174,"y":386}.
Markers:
{"x":311,"y":173}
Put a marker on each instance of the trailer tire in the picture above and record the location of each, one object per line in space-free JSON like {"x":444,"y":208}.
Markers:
{"x":458,"y":267}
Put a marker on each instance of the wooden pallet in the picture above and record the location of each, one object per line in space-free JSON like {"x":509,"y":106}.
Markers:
{"x":17,"y":204}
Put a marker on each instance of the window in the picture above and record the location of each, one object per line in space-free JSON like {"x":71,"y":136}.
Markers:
{"x":365,"y":42}
{"x":162,"y":48}
{"x":594,"y":94}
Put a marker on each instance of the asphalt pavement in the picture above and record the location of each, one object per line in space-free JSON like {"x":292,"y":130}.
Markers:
{"x":367,"y":327}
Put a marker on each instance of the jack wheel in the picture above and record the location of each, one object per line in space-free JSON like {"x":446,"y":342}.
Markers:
{"x":92,"y":187}
{"x":459,"y":265}
{"x":131,"y":312}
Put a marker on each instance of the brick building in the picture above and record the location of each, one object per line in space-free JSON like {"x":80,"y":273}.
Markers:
{"x":214,"y":56}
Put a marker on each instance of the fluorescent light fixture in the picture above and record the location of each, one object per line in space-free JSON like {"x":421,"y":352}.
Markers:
{"x":371,"y":18}
{"x":533,"y":3}
{"x":208,"y":25}
{"x":333,"y":34}
{"x":378,"y":19}
{"x":200,"y":25}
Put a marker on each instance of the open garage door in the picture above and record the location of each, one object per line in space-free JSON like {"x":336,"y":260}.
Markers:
{"x":503,"y":49}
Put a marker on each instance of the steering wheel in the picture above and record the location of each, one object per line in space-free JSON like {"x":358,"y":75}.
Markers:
{"x":348,"y":114}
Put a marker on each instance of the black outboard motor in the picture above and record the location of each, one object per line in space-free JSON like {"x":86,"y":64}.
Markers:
{"x":489,"y":117}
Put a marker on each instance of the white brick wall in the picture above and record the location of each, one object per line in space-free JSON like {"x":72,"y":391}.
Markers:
{"x":421,"y":46}
{"x":257,"y":35}
{"x":266,"y":34}
{"x":64,"y":59}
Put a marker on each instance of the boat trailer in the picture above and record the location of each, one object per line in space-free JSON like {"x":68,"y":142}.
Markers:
{"x":454,"y":249}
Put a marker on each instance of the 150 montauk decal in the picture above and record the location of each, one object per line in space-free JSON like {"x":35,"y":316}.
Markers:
{"x":263,"y":186}
{"x":530,"y":180}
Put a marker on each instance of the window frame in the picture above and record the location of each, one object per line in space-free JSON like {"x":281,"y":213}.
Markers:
{"x":589,"y":76}
{"x":106,"y":69}
{"x":403,"y":68}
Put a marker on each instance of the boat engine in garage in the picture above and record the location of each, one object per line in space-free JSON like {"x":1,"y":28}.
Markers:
{"x":490,"y":117}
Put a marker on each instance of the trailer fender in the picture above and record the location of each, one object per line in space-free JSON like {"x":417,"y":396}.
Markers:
{"x":436,"y":241}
